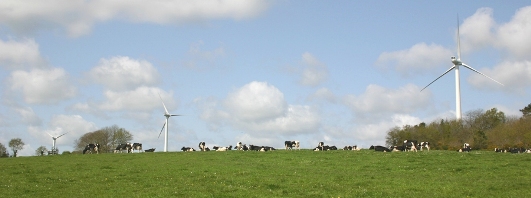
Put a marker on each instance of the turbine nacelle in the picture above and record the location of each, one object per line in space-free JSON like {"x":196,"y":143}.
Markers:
{"x":456,"y":61}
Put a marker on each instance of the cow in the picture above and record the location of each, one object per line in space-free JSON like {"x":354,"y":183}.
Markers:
{"x":325,"y":148}
{"x":260,"y":148}
{"x":239,"y":146}
{"x":150,"y":150}
{"x":466,"y":148}
{"x":410,"y":145}
{"x":137,"y":146}
{"x":245,"y":148}
{"x":498,"y":150}
{"x":187,"y":149}
{"x":217,"y":148}
{"x":291,"y":144}
{"x":351,"y":148}
{"x":517,"y":150}
{"x":121,"y":147}
{"x":202,"y":146}
{"x":425,"y":145}
{"x":380,"y":148}
{"x":92,"y":147}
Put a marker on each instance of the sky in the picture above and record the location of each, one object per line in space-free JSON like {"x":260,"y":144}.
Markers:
{"x":253,"y":71}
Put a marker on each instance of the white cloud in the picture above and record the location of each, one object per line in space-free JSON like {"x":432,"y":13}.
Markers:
{"x":476,"y":30}
{"x":419,"y":58}
{"x":122,"y":73}
{"x":314,"y":72}
{"x":256,"y":101}
{"x":140,"y":99}
{"x":74,"y":125}
{"x":20,"y":54}
{"x":514,"y":35}
{"x":259,"y":109}
{"x":377,"y":101}
{"x":42,"y":86}
{"x":29,"y":116}
{"x":203,"y":59}
{"x":77,"y":16}
{"x":323,"y":94}
{"x":514,"y":75}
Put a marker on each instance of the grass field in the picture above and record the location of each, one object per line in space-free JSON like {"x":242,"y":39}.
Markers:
{"x":279,"y":173}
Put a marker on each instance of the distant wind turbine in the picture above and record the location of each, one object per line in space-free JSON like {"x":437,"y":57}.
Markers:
{"x":55,"y":138}
{"x":457,"y":62}
{"x":167,"y":115}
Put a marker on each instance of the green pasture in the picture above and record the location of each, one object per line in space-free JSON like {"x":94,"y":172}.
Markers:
{"x":280,"y":173}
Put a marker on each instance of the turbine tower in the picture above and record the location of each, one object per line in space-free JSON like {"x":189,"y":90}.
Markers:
{"x":55,"y":138}
{"x":167,"y":115}
{"x":457,"y":62}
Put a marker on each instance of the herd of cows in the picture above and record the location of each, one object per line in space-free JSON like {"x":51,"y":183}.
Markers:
{"x":407,"y":146}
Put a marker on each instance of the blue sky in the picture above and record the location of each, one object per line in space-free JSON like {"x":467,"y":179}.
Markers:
{"x":259,"y":72}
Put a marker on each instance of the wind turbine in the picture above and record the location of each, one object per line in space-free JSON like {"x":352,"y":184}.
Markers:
{"x":167,"y":115}
{"x":55,"y":138}
{"x":457,"y":62}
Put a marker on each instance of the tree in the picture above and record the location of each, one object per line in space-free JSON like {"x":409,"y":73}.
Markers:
{"x":526,"y":111}
{"x":3,"y":151}
{"x":108,"y":138}
{"x":16,"y":144}
{"x":41,"y":151}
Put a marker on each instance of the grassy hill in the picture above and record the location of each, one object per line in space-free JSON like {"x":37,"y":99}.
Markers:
{"x":278,"y":173}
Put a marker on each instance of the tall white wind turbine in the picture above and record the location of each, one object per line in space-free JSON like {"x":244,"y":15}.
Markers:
{"x":457,"y":62}
{"x":55,"y":138}
{"x":167,"y":115}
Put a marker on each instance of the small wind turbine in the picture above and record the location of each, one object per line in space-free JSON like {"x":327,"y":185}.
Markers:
{"x":457,"y":62}
{"x":55,"y":138}
{"x":167,"y":115}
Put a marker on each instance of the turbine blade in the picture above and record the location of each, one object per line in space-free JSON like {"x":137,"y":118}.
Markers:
{"x":61,"y":135}
{"x":175,"y":115}
{"x":162,"y":129}
{"x":458,"y":40}
{"x":165,"y":110}
{"x":50,"y":134}
{"x":453,"y":67}
{"x":480,"y":73}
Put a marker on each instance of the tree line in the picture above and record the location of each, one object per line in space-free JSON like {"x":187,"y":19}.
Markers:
{"x":481,"y":129}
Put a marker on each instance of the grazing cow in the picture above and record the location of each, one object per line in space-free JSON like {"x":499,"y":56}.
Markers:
{"x":410,"y":145}
{"x":380,"y":148}
{"x":466,"y":148}
{"x":239,"y":146}
{"x":424,"y":144}
{"x":121,"y":147}
{"x":91,"y":147}
{"x":202,"y":146}
{"x":150,"y":150}
{"x":187,"y":149}
{"x":137,"y":146}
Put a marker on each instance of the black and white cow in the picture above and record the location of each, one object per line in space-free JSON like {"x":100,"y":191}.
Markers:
{"x":217,"y":148}
{"x":136,"y":146}
{"x":291,"y":144}
{"x":410,"y":145}
{"x":466,"y":148}
{"x":202,"y":146}
{"x":245,"y":147}
{"x":424,"y":145}
{"x":91,"y":148}
{"x":499,"y":150}
{"x":325,"y":148}
{"x":187,"y":149}
{"x":121,"y":147}
{"x":351,"y":148}
{"x":239,"y":146}
{"x":380,"y":148}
